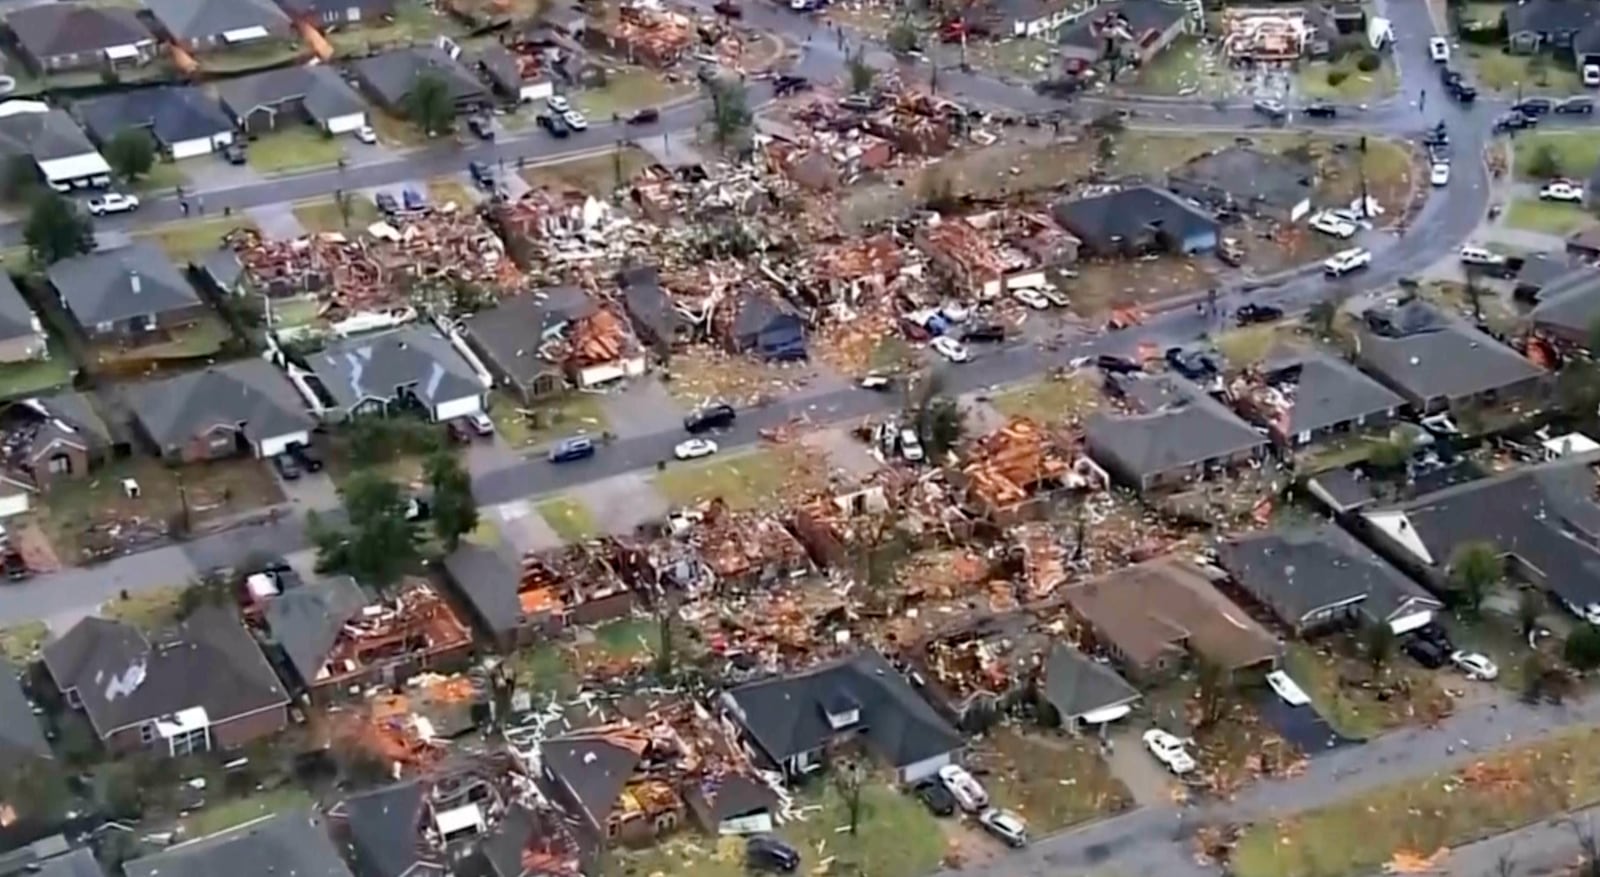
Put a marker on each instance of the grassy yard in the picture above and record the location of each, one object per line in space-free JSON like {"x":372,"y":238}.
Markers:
{"x":1500,"y":71}
{"x":262,"y":55}
{"x":397,"y":133}
{"x":20,"y":643}
{"x":1357,"y":85}
{"x":628,"y":90}
{"x":299,"y":310}
{"x":1503,"y":791}
{"x":1051,"y":783}
{"x":163,"y":176}
{"x":186,"y":240}
{"x":545,"y":421}
{"x":749,"y":480}
{"x":1251,"y":344}
{"x":545,"y":669}
{"x":1051,"y":400}
{"x":623,"y":640}
{"x":231,"y":813}
{"x":414,"y":21}
{"x":324,"y":214}
{"x":146,"y":610}
{"x":571,"y":519}
{"x":1356,"y":701}
{"x":27,"y":378}
{"x":204,"y":337}
{"x":1549,"y":217}
{"x":596,"y":176}
{"x":1576,"y":153}
{"x":1185,"y":68}
{"x":292,"y":149}
{"x":444,"y":191}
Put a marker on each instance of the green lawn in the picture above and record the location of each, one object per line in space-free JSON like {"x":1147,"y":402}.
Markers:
{"x":1356,"y":702}
{"x":597,"y":176}
{"x":1576,"y":153}
{"x":224,"y":815}
{"x":1494,"y":794}
{"x":544,"y":669}
{"x":622,"y":640}
{"x":1550,"y":217}
{"x":444,"y":191}
{"x":1312,"y":80}
{"x":27,"y":378}
{"x":1250,"y":344}
{"x":292,"y":149}
{"x":413,"y":21}
{"x":251,"y":57}
{"x":163,"y":175}
{"x":1049,"y":401}
{"x":190,"y":238}
{"x":20,"y":643}
{"x":1185,"y":68}
{"x":1051,"y":783}
{"x":545,"y":421}
{"x":324,"y":214}
{"x":628,"y":90}
{"x":571,"y":519}
{"x":300,"y":310}
{"x":1501,"y":71}
{"x":147,"y":610}
{"x":206,"y":336}
{"x":744,"y":481}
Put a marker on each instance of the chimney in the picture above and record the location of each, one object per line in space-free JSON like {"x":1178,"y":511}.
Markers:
{"x":134,"y":283}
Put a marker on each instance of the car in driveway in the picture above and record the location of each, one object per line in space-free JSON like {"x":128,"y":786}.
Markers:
{"x":1427,"y":654}
{"x":1561,"y":190}
{"x":767,"y":853}
{"x":719,"y":415}
{"x":967,"y":791}
{"x":386,"y":203}
{"x":1476,"y":666}
{"x":1032,"y":298}
{"x":1168,"y":750}
{"x":367,"y":134}
{"x":1285,"y":687}
{"x":113,"y":202}
{"x":936,"y":798}
{"x":482,"y":175}
{"x":911,"y":446}
{"x":288,"y":469}
{"x":557,"y":103}
{"x":1005,"y":825}
{"x":1473,"y":255}
{"x":481,"y":424}
{"x":950,"y":349}
{"x":306,"y":456}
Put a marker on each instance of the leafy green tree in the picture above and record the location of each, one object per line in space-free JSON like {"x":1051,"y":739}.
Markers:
{"x":902,"y":38}
{"x":455,"y":512}
{"x":729,"y":114}
{"x":130,"y":153}
{"x":56,"y":230}
{"x":862,"y":75}
{"x":1390,"y":453}
{"x":429,"y":105}
{"x":36,"y":789}
{"x":1474,"y":568}
{"x":937,"y":416}
{"x":1545,"y":163}
{"x":379,"y":544}
{"x":1321,"y":316}
{"x":1582,"y":650}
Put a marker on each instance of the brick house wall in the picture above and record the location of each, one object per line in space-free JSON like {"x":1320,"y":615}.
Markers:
{"x":78,"y":463}
{"x":230,"y":734}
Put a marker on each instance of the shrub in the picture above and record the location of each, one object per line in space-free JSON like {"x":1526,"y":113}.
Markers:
{"x":1336,"y":78}
{"x":1369,"y":62}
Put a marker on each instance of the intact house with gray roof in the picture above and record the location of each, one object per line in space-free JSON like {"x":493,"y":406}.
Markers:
{"x":1247,"y":180}
{"x":1566,"y":29}
{"x":125,"y":293}
{"x":1543,"y":520}
{"x":294,"y":843}
{"x":182,"y":120}
{"x":1172,"y":435}
{"x":506,"y":73}
{"x":1320,"y":577}
{"x":1568,"y":307}
{"x":1135,"y":221}
{"x":1303,"y":396}
{"x":22,"y":742}
{"x":1437,"y":362}
{"x":415,"y":367}
{"x":291,"y":97}
{"x":389,"y":78}
{"x":246,"y":408}
{"x":22,"y":336}
{"x":58,"y":37}
{"x":1082,"y":692}
{"x":792,"y":721}
{"x":200,"y":686}
{"x":201,"y":26}
{"x":1138,"y":29}
{"x":53,"y":142}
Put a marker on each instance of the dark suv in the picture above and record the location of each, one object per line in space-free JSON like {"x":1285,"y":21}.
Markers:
{"x":718,"y":416}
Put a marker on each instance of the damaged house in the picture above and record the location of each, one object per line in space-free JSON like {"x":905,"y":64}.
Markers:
{"x":1135,"y":221}
{"x":522,"y":600}
{"x":52,"y":437}
{"x":798,"y":722}
{"x":415,"y":367}
{"x":201,"y":686}
{"x":1249,"y":181}
{"x":538,"y":344}
{"x":1136,"y":30}
{"x":744,"y":549}
{"x":762,"y":324}
{"x":1438,"y":363}
{"x":1174,"y":434}
{"x":1304,"y":396}
{"x":292,"y":842}
{"x":1009,"y":472}
{"x":655,"y":317}
{"x":1568,"y":307}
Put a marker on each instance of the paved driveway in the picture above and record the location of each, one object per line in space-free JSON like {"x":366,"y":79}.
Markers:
{"x":1301,"y":725}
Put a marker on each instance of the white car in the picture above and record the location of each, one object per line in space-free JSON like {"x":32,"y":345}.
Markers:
{"x":1439,"y":49}
{"x":1005,"y":825}
{"x":1560,"y":191}
{"x":967,"y":791}
{"x":876,"y":382}
{"x":694,"y":449}
{"x":1345,"y":261}
{"x":1032,"y":298}
{"x":1591,"y":75}
{"x":366,"y":134}
{"x":911,"y":446}
{"x":1168,"y":750}
{"x":113,"y":202}
{"x":557,"y":103}
{"x":575,"y":120}
{"x":480,"y":423}
{"x":1476,"y":666}
{"x":950,"y":349}
{"x":1055,"y":296}
{"x":1329,"y":224}
{"x":1439,"y":174}
{"x":1471,"y":255}
{"x":955,"y":312}
{"x":1287,"y":689}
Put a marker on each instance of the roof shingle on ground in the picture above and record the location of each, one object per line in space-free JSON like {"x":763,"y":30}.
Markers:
{"x":1427,"y":355}
{"x":197,"y":19}
{"x":51,"y":29}
{"x":290,"y":844}
{"x":321,"y":90}
{"x":375,"y":366}
{"x":1300,"y":570}
{"x":251,"y":392}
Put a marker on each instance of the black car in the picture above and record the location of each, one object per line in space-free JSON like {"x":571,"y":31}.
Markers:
{"x":1463,"y":92}
{"x":990,"y":333}
{"x":786,"y":85}
{"x":15,"y":566}
{"x":1436,"y":635}
{"x":1514,"y":121}
{"x":1576,"y":106}
{"x":555,"y":124}
{"x":1426,"y":653}
{"x":646,"y":116}
{"x":718,"y":416}
{"x":482,"y":126}
{"x":1251,"y":314}
{"x":936,"y":798}
{"x":234,"y":153}
{"x":1534,"y":106}
{"x":308,"y":459}
{"x":1322,"y":110}
{"x":481,"y":174}
{"x":1191,"y":364}
{"x":387,"y":204}
{"x":287,"y":468}
{"x":1119,"y":365}
{"x":767,"y":853}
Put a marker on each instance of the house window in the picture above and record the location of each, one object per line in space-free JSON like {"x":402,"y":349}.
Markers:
{"x":190,"y":742}
{"x":147,"y":733}
{"x":612,"y":828}
{"x":60,"y":464}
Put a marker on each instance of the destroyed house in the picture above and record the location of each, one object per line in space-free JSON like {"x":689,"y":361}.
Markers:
{"x":984,"y":668}
{"x":799,"y":721}
{"x":1318,"y":577}
{"x":1568,"y":307}
{"x":521,"y":600}
{"x":852,"y":271}
{"x":52,"y":437}
{"x":747,"y":548}
{"x":1437,"y":363}
{"x":415,"y":367}
{"x":1303,"y":396}
{"x":1137,"y":30}
{"x":246,"y":408}
{"x":1174,"y":435}
{"x":1007,"y":472}
{"x":535,"y":344}
{"x":1247,"y":180}
{"x":1136,"y":221}
{"x":203,"y":685}
{"x":833,"y":527}
{"x":1152,"y":617}
{"x":763,"y":324}
{"x":125,"y":292}
{"x":964,"y":255}
{"x":1542,"y":520}
{"x":356,"y":641}
{"x":643,"y":36}
{"x":294,"y":842}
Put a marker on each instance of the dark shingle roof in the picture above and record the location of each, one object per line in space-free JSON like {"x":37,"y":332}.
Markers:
{"x":1130,"y":214}
{"x":52,"y":29}
{"x":290,"y":844}
{"x":172,"y":113}
{"x":21,"y":739}
{"x":16,"y":318}
{"x":1178,"y":426}
{"x":252,"y":392}
{"x":92,"y":642}
{"x":1249,"y":177}
{"x":383,"y":827}
{"x":1300,"y":570}
{"x":1571,"y":302}
{"x":321,"y":90}
{"x":512,"y":332}
{"x":50,"y":857}
{"x":594,"y":768}
{"x":488,"y":579}
{"x":391,"y":75}
{"x":194,"y":19}
{"x":1551,"y":16}
{"x":306,"y":621}
{"x":1327,"y":391}
{"x":110,"y":286}
{"x":374,"y":366}
{"x":1076,"y":685}
{"x":1435,"y":357}
{"x":786,"y":715}
{"x":43,"y":136}
{"x":648,"y":304}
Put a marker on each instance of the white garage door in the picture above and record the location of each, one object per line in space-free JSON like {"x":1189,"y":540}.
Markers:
{"x":276,"y":445}
{"x":921,"y":770}
{"x":1407,"y":623}
{"x":191,"y":148}
{"x":346,"y":124}
{"x":457,"y":408}
{"x":14,"y":504}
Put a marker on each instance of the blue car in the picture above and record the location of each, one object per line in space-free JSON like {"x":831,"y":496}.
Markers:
{"x":579,"y":448}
